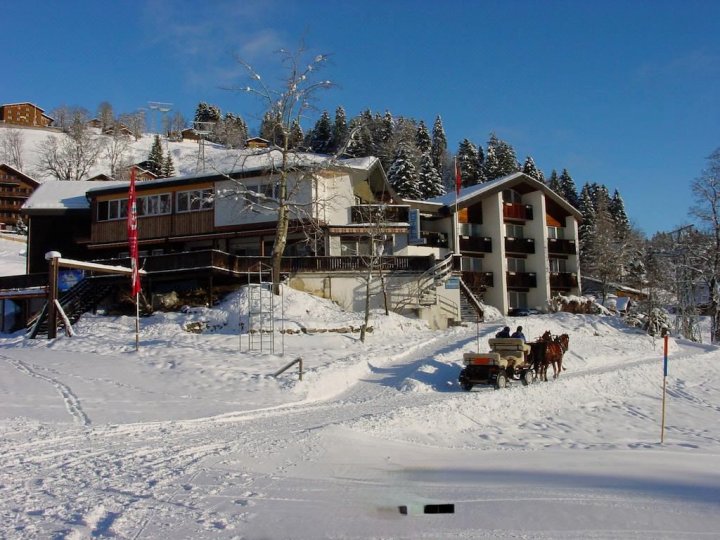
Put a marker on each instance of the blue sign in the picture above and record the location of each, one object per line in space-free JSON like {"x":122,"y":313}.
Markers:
{"x":414,"y":237}
{"x":452,"y":283}
{"x":67,"y":279}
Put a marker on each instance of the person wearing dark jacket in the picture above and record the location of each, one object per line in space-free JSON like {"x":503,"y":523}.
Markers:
{"x":519,"y":334}
{"x":504,"y":333}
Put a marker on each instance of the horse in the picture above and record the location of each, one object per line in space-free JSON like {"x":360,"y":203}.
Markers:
{"x":556,"y":346}
{"x":547,"y":350}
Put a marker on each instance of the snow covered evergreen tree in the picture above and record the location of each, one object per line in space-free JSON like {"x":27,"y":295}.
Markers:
{"x":207,"y":113}
{"x":617,"y":211}
{"x":321,"y":138}
{"x":568,"y":190}
{"x":155,"y":157}
{"x":531,"y":169}
{"x":500,"y":159}
{"x":553,"y":182}
{"x":168,"y":168}
{"x":430,"y":182}
{"x":587,"y":209}
{"x":297,"y":136}
{"x":467,"y":159}
{"x":361,"y":143}
{"x":438,"y":150}
{"x":422,"y":140}
{"x":403,"y":176}
{"x":339,"y":131}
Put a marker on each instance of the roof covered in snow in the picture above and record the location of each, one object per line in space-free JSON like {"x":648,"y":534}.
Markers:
{"x":62,"y":196}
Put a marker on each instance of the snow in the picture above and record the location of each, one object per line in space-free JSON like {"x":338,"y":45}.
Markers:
{"x":13,"y":248}
{"x":192,"y":436}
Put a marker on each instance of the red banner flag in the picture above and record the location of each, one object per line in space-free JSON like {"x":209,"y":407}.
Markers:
{"x":132,"y":233}
{"x":458,"y":178}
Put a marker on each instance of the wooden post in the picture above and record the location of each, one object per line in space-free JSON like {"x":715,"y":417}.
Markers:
{"x":53,"y":257}
{"x":665,"y":372}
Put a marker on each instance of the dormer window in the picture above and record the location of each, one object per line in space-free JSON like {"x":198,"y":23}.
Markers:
{"x":511,"y":196}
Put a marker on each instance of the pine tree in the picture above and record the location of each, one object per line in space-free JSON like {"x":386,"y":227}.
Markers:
{"x":617,"y":211}
{"x":361,"y":143}
{"x":429,"y":179}
{"x":320,"y":140}
{"x":339,"y":130}
{"x":155,"y":157}
{"x":438,"y":150}
{"x":568,"y":190}
{"x":531,"y":169}
{"x":296,"y":135}
{"x":500,"y":159}
{"x":207,"y":113}
{"x":422,"y":139}
{"x":271,"y":128}
{"x":168,"y":168}
{"x":403,"y":176}
{"x":467,"y":159}
{"x":554,"y":183}
{"x":587,"y":209}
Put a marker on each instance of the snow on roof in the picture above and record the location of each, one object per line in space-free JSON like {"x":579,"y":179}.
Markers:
{"x":63,"y":195}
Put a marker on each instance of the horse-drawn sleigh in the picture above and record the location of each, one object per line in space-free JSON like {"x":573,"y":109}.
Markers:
{"x":511,"y":359}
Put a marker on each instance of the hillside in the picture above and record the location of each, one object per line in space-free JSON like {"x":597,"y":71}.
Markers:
{"x":184,"y":154}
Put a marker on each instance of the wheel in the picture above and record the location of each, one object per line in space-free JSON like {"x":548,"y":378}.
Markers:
{"x":501,"y":381}
{"x":466,"y":385}
{"x":527,"y":377}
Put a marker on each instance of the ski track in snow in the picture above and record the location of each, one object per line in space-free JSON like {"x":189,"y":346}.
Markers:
{"x":72,"y":403}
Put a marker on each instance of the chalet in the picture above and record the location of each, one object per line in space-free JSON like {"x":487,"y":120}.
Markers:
{"x":189,"y":134}
{"x":24,"y":114}
{"x":511,"y":242}
{"x":15,"y":189}
{"x":257,"y":142}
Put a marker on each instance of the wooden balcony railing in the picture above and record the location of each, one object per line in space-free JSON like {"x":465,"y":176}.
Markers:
{"x":23,"y":281}
{"x":379,"y":213}
{"x":195,"y":260}
{"x":565,"y":247}
{"x":476,"y":243}
{"x":517,"y":211}
{"x":519,"y":245}
{"x":521,"y":280}
{"x":563,"y":280}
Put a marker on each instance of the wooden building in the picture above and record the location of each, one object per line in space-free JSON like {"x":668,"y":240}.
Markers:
{"x":15,"y":189}
{"x":24,"y":114}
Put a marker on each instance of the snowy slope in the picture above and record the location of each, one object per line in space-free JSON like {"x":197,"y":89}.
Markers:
{"x":191,"y":437}
{"x":12,"y":254}
{"x":184,"y":154}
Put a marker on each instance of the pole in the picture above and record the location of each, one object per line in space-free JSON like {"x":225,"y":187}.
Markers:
{"x":54,"y":259}
{"x":137,"y":321}
{"x":665,"y":372}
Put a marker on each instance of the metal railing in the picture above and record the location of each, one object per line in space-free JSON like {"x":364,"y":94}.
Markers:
{"x":298,"y":361}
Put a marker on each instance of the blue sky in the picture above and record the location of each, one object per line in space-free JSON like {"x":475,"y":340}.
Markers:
{"x":620,"y":93}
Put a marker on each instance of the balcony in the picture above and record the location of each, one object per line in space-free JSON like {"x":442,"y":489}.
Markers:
{"x":521,"y":280}
{"x":515,"y":211}
{"x":519,"y":245}
{"x":477,"y":244}
{"x":478,"y":281}
{"x":563,"y":280}
{"x":378,"y":213}
{"x":434,"y":239}
{"x":563,"y":247}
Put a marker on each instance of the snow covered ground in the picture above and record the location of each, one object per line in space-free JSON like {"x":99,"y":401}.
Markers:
{"x":192,"y":437}
{"x":12,"y":254}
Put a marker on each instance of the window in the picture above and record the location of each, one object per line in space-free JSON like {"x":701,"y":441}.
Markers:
{"x":110,"y":210}
{"x":515,"y":264}
{"x":153,"y":205}
{"x":471,"y":264}
{"x":558,"y":265}
{"x":511,"y":196}
{"x":470,"y":229}
{"x":268,"y":191}
{"x":514,"y":231}
{"x":195,"y":200}
{"x":517,"y":299}
{"x":556,"y":232}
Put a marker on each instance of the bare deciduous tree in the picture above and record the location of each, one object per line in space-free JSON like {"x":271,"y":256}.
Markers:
{"x":11,"y":147}
{"x":70,"y":157}
{"x":135,"y":122}
{"x":286,"y":105}
{"x":115,"y":148}
{"x":706,"y":189}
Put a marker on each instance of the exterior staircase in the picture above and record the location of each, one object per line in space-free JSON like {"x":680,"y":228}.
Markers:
{"x":470,"y":307}
{"x":81,"y":298}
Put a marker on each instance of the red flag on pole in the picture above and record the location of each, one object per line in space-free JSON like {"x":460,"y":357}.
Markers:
{"x":458,"y":178}
{"x":132,"y":234}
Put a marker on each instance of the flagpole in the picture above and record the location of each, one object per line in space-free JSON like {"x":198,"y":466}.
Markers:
{"x":456,"y":222}
{"x":137,"y":321}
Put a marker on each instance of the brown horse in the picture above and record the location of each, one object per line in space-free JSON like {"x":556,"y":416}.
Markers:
{"x":548,"y":350}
